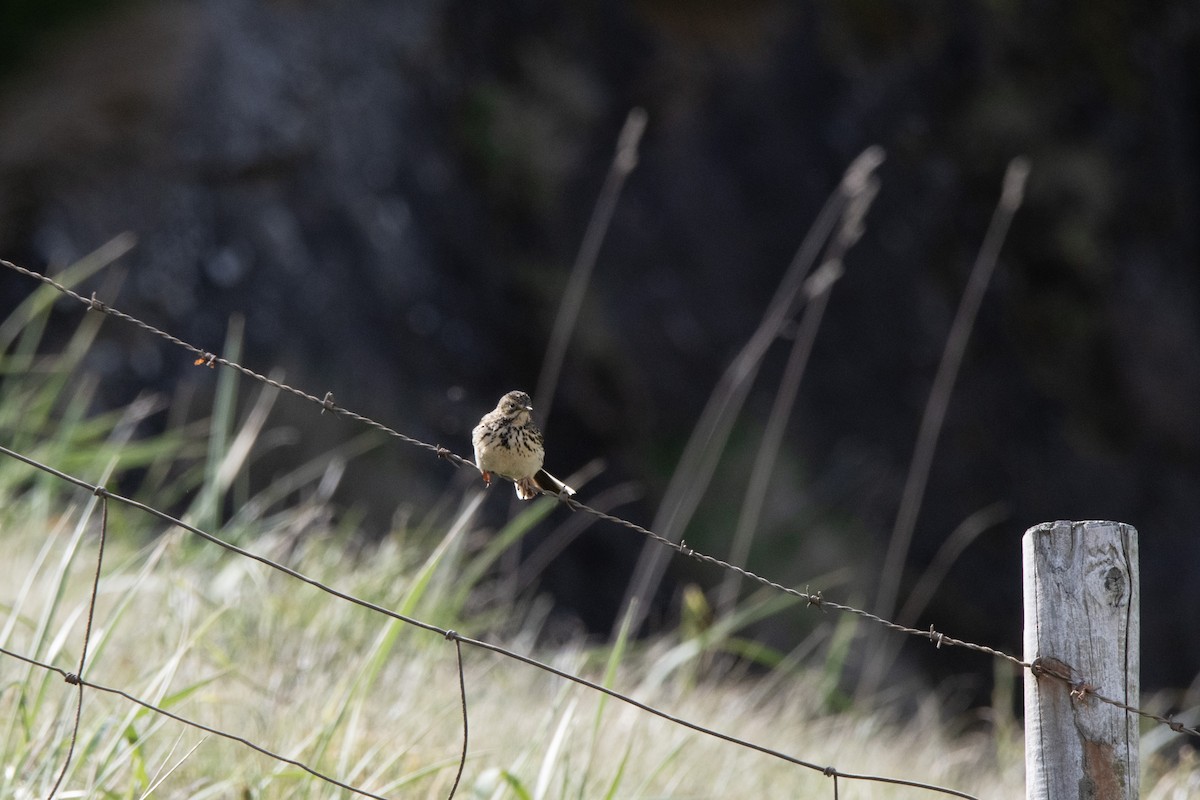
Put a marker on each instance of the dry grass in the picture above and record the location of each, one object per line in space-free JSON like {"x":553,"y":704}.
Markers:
{"x":236,"y":645}
{"x":243,"y":648}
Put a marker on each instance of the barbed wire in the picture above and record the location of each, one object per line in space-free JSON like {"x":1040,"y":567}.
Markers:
{"x":448,"y":634}
{"x":939,"y":639}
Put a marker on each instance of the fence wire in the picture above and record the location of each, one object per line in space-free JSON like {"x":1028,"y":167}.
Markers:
{"x":74,"y":678}
{"x":1081,"y":688}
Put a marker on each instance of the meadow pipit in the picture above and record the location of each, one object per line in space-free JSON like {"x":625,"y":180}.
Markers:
{"x":510,"y":445}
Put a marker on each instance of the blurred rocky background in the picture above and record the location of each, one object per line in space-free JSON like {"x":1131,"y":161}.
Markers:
{"x":392,"y":193}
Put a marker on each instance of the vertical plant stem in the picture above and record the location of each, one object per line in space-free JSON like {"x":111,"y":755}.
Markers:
{"x":939,"y":400}
{"x":623,"y":163}
{"x":817,"y":290}
{"x":711,"y":432}
{"x":768,"y":453}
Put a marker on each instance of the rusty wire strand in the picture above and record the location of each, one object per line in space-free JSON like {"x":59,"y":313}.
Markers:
{"x":462,"y":693}
{"x":101,"y":493}
{"x":209,"y":359}
{"x":448,"y":634}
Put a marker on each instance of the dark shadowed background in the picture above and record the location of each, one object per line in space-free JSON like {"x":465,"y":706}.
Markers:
{"x":392,"y":193}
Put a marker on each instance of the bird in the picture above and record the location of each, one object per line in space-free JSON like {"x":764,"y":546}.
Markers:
{"x":509,"y":444}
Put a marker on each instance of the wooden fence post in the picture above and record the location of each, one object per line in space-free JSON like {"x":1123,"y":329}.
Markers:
{"x":1081,"y":623}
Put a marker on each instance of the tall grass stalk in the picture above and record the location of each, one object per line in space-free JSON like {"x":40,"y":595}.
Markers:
{"x":765,"y":459}
{"x":817,"y":290}
{"x":692,"y":475}
{"x":623,"y":163}
{"x":930,"y":429}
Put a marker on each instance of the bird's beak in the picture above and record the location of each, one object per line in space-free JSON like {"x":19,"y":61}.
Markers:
{"x":527,"y":408}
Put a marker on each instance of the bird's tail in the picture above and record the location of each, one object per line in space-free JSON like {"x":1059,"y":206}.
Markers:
{"x":550,"y":483}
